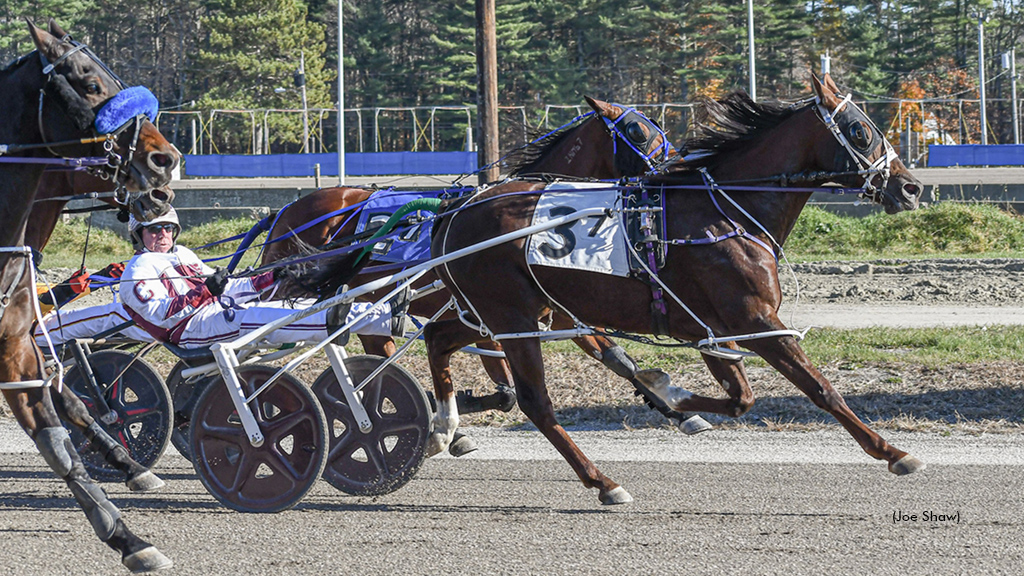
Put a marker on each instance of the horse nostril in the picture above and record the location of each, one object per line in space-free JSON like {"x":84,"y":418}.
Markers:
{"x":161,"y":160}
{"x":160,"y":196}
{"x":911,"y":190}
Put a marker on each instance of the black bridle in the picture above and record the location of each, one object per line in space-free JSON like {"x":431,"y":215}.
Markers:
{"x":111,"y":166}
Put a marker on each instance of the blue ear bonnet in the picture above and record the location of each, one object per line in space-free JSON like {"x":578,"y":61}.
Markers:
{"x":125,"y":106}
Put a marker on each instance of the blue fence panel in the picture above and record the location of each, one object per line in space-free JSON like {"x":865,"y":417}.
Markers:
{"x":976,"y":155}
{"x":356,"y":164}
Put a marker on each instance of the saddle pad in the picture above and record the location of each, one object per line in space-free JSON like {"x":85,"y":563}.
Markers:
{"x":595,"y":244}
{"x":412,"y":242}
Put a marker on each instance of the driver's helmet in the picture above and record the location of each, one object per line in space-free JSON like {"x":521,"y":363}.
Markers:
{"x":135,"y":227}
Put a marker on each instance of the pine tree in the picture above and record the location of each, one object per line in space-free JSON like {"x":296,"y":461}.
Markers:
{"x":14,"y":38}
{"x":252,"y":48}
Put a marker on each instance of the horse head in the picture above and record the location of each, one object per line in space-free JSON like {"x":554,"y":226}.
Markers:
{"x":862,"y":151}
{"x":639,"y":143}
{"x":83,"y":97}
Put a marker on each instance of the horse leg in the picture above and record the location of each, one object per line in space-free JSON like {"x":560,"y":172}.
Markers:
{"x":379,"y":345}
{"x":444,"y":338}
{"x":459,"y":444}
{"x":524,"y":356}
{"x":615,"y":359}
{"x":786,"y":356}
{"x":503,"y":398}
{"x":34,"y":411}
{"x":730,"y":374}
{"x":71,"y":409}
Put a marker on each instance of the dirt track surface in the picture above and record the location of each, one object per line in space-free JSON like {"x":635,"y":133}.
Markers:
{"x":995,"y":282}
{"x":720,"y":503}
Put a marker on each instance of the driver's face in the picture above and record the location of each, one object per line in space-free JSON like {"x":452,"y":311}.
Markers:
{"x":158,"y":238}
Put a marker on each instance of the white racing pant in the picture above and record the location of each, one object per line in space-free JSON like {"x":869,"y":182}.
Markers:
{"x":67,"y":324}
{"x":214,"y":323}
{"x":210,"y":324}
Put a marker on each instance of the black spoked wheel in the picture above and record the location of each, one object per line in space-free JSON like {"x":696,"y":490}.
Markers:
{"x":184,"y":395}
{"x":276,"y":475}
{"x":387,"y":457}
{"x":138,"y":396}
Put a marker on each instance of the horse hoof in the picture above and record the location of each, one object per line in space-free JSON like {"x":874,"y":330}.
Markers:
{"x":616,"y":496}
{"x":906,"y":465}
{"x":146,"y":560}
{"x":145,"y":482}
{"x":461,"y":445}
{"x":695,"y":425}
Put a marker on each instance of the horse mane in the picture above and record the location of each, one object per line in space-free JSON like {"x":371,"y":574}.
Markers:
{"x":525,"y":156}
{"x":726,"y":125}
{"x":13,"y":64}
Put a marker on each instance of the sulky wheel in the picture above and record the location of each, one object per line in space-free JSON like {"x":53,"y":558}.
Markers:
{"x":142,"y":404}
{"x":387,"y":457}
{"x":184,"y":395}
{"x":276,"y":475}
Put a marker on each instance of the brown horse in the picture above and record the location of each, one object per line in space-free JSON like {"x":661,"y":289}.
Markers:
{"x":582,"y":150}
{"x":721,"y":262}
{"x":52,"y":99}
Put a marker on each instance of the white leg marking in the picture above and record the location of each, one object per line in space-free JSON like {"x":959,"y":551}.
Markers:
{"x":446,"y":420}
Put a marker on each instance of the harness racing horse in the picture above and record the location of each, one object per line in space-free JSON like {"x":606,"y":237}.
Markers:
{"x":62,"y":102}
{"x":583,"y":149}
{"x":721,"y":261}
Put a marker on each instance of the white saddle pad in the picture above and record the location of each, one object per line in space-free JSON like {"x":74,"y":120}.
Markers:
{"x":595,"y":244}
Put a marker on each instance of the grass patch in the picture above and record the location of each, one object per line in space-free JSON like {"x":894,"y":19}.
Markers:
{"x":942,"y":230}
{"x":105,"y":246}
{"x":946,"y":229}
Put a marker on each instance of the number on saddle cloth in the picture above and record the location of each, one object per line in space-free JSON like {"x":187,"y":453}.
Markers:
{"x":595,"y":243}
{"x":408,"y":243}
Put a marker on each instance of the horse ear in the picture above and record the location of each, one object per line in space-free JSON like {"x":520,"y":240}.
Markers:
{"x":830,"y":83}
{"x":603,"y":108}
{"x":826,"y":95}
{"x":45,"y":42}
{"x":56,"y":30}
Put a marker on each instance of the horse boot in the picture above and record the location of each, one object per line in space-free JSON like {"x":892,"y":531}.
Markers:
{"x":400,"y":313}
{"x":137,"y":555}
{"x":618,"y":361}
{"x":336,"y":317}
{"x":139,"y":479}
{"x":503,"y":398}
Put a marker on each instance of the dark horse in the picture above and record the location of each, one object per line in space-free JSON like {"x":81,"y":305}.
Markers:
{"x":609,"y":144}
{"x":53,"y":100}
{"x":721,"y":261}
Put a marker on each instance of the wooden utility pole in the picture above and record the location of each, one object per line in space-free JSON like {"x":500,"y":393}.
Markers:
{"x":487,"y":89}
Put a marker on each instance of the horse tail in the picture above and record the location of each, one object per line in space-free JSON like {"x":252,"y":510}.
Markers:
{"x":328,"y":275}
{"x":250,"y":236}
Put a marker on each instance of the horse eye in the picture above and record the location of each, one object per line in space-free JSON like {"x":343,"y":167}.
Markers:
{"x":92,"y":88}
{"x":858,"y":136}
{"x":635,"y":133}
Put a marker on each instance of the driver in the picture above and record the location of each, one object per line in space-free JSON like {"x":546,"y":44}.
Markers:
{"x":176,"y":298}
